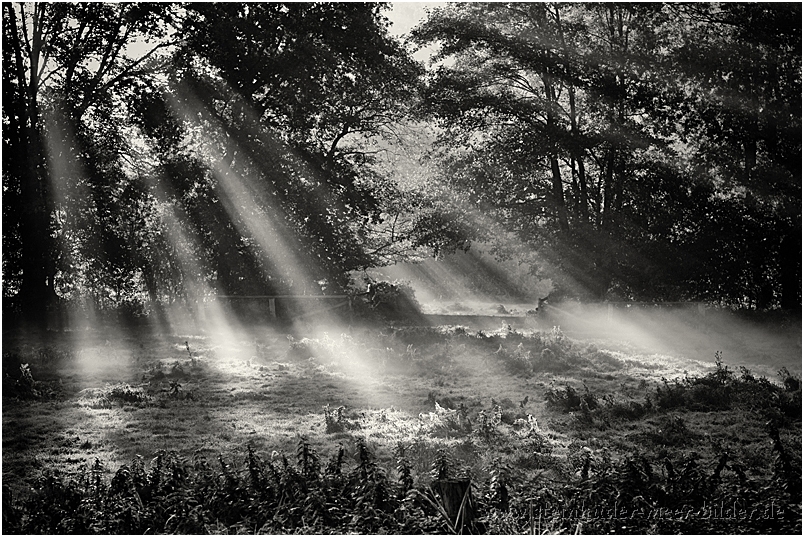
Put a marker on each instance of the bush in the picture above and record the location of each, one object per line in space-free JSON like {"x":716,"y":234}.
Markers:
{"x":567,"y":399}
{"x":626,"y":410}
{"x":175,"y":495}
{"x":790,"y":399}
{"x":24,"y":386}
{"x":516,"y":361}
{"x":671,"y":431}
{"x":723,"y":390}
{"x":335,"y":421}
{"x":122,"y":394}
{"x":392,"y":301}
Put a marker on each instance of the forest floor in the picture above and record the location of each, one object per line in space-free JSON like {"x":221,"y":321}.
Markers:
{"x":548,"y":407}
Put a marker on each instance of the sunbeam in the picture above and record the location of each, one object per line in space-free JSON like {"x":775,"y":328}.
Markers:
{"x":69,"y":193}
{"x":268,"y":269}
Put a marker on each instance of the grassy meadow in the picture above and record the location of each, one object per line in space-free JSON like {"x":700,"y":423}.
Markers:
{"x":356,"y":429}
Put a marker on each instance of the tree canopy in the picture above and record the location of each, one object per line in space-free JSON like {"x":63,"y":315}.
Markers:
{"x":160,"y":153}
{"x":645,"y":151}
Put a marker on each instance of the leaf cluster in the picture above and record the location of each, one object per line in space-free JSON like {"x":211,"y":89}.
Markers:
{"x":632,"y":492}
{"x":175,"y":495}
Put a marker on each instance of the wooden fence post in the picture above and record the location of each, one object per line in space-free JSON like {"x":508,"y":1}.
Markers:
{"x":457,"y":501}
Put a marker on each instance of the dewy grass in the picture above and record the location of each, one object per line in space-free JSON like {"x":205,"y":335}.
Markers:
{"x":279,"y":442}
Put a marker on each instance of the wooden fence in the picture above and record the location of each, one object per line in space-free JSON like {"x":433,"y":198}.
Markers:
{"x":700,"y":307}
{"x":295,"y":303}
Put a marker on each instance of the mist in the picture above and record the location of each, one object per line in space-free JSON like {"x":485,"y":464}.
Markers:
{"x":480,"y":293}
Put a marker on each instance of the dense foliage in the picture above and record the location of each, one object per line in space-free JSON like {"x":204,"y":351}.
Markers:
{"x":173,"y":495}
{"x":234,"y":156}
{"x":644,"y":151}
{"x":161,"y":153}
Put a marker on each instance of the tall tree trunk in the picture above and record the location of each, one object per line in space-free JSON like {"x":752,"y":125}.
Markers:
{"x":558,"y":195}
{"x":576,"y":191}
{"x":752,"y":133}
{"x":584,"y":189}
{"x":583,"y":202}
{"x":34,"y":292}
{"x":578,"y":157}
{"x":608,"y":191}
{"x":35,"y":295}
{"x":557,"y":183}
{"x":619,"y":185}
{"x":153,"y":295}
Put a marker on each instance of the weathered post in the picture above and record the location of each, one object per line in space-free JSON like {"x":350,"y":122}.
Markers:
{"x":456,"y":499}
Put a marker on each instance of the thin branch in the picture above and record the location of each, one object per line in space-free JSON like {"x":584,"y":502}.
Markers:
{"x":130,"y":69}
{"x":24,"y":27}
{"x":75,"y":50}
{"x":46,"y":38}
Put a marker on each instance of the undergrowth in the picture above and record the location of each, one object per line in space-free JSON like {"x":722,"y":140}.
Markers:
{"x":119,"y":394}
{"x":521,"y":479}
{"x":352,"y":493}
{"x":22,"y":385}
{"x":719,"y":390}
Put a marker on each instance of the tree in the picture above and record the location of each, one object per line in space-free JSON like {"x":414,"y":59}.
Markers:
{"x":606,"y":137}
{"x":62,"y":65}
{"x":294,"y":95}
{"x":742,"y":70}
{"x":546,"y":110}
{"x":145,"y":173}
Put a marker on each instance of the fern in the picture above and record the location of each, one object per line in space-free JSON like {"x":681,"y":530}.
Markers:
{"x":442,"y":465}
{"x":307,"y":460}
{"x":403,"y":468}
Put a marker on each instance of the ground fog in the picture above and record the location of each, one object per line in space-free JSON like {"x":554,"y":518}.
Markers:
{"x":541,"y":405}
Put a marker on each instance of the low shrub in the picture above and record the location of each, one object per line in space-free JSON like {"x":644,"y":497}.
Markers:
{"x":789,"y":401}
{"x":517,"y":361}
{"x":718,"y":390}
{"x":25,"y":385}
{"x":487,"y":425}
{"x":305,"y":348}
{"x":549,"y":360}
{"x":392,"y":301}
{"x":402,"y":336}
{"x":626,"y":410}
{"x":22,"y":385}
{"x":670,"y":431}
{"x":336,"y":421}
{"x":605,"y":360}
{"x":567,"y":399}
{"x":722,"y":389}
{"x":111,"y":395}
{"x":445,"y":421}
{"x":176,"y":495}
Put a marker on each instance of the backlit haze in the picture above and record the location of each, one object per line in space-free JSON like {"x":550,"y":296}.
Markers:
{"x":468,"y":289}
